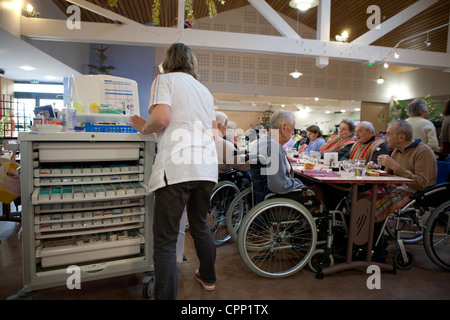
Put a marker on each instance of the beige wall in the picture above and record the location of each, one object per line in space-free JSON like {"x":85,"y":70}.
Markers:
{"x":376,"y":113}
{"x":243,"y":119}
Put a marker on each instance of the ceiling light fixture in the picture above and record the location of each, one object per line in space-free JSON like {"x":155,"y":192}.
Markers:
{"x":304,"y":5}
{"x":380,"y":80}
{"x":427,"y":42}
{"x":296,"y":74}
{"x":27,"y":68}
{"x":386,"y":65}
{"x":30,"y":12}
{"x":343,"y":37}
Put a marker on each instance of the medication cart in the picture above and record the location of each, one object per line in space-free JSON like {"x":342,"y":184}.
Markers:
{"x":84,"y":204}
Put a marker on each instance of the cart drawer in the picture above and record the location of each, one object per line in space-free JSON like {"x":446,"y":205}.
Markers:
{"x":66,"y":255}
{"x":86,"y":152}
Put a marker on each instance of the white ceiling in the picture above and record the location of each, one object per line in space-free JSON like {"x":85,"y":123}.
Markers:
{"x":225,"y":101}
{"x":15,"y":53}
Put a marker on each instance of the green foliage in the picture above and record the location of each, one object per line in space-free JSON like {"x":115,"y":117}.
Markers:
{"x":5,"y":121}
{"x":399,"y":110}
{"x":101,"y":68}
{"x":435,"y":110}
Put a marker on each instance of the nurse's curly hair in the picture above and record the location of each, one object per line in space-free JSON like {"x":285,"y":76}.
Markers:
{"x":180,"y":58}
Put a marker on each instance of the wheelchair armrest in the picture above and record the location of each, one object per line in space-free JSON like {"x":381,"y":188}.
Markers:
{"x":271,"y":195}
{"x":431,"y":190}
{"x":300,"y":189}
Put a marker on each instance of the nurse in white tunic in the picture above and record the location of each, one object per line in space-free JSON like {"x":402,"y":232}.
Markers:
{"x":185,"y":169}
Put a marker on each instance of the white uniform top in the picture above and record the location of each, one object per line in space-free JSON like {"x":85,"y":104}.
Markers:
{"x":185,"y":148}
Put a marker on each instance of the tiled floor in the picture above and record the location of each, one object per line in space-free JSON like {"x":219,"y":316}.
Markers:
{"x":424,"y":281}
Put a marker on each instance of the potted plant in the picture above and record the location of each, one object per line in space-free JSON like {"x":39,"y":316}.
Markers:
{"x":399,"y":111}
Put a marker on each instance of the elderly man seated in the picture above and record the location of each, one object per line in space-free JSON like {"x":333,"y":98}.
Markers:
{"x":274,"y":173}
{"x":411,"y":159}
{"x":226,"y":156}
{"x":367,"y":146}
{"x":343,"y":141}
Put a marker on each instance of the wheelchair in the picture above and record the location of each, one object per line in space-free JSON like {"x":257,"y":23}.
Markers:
{"x":409,"y":221}
{"x":238,"y":208}
{"x":279,"y":236}
{"x":407,"y":225}
{"x":229,"y":185}
{"x":437,"y":236}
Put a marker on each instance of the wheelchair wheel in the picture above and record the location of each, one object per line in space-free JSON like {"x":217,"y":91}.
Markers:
{"x":237,"y":210}
{"x":223,"y":193}
{"x":408,"y":223}
{"x":277,"y":238}
{"x":318,"y":261}
{"x":437,"y":236}
{"x":400,"y":262}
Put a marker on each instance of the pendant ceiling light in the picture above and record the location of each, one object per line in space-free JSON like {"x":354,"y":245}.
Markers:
{"x":304,"y":5}
{"x":296,"y":74}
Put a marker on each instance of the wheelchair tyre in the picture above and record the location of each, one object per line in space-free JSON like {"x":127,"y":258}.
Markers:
{"x":317,"y":258}
{"x":223,"y":193}
{"x":437,"y":236}
{"x":400,"y":263}
{"x":237,"y":210}
{"x":277,"y":238}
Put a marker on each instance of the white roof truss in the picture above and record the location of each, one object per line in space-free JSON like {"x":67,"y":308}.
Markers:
{"x":290,"y":43}
{"x":394,"y":22}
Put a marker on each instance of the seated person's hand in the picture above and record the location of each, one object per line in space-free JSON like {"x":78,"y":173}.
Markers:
{"x":371,"y":165}
{"x":388,"y":162}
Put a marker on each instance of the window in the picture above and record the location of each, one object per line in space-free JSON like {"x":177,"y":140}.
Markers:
{"x":26,"y":97}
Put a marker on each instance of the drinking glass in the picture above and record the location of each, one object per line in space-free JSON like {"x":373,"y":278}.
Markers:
{"x":359,"y":169}
{"x":347,"y":165}
{"x":303,"y":157}
{"x":315,"y":156}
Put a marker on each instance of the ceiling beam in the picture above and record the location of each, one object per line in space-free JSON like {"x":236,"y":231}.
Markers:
{"x":104,"y":12}
{"x":394,"y":22}
{"x":48,"y":29}
{"x":323,"y":28}
{"x":274,"y":19}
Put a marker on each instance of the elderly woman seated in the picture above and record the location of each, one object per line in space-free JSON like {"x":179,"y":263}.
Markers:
{"x":343,"y":141}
